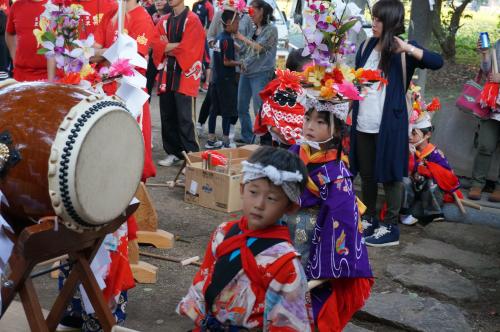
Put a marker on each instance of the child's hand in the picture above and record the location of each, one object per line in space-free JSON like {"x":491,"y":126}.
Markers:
{"x":494,"y":77}
{"x":239,"y":36}
{"x":424,"y":171}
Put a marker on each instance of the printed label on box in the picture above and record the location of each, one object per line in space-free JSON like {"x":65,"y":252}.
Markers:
{"x":193,"y":188}
{"x":206,"y":188}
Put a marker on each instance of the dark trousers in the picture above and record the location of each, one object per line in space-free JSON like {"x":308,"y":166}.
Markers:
{"x":151,"y":73}
{"x":177,"y":123}
{"x":489,"y":135}
{"x":205,"y":107}
{"x":366,"y":152}
{"x":227,"y":121}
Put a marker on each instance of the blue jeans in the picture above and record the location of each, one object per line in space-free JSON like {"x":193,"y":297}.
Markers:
{"x":249,"y":87}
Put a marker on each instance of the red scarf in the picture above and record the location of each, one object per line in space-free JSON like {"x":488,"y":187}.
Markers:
{"x":248,"y":261}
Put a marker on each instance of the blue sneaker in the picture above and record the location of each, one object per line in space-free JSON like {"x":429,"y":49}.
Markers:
{"x":370,"y":224}
{"x":384,"y":236}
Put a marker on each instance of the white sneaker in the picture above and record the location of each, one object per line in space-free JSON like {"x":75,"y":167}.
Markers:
{"x":213,"y":144}
{"x":169,"y":161}
{"x":408,"y":220}
{"x":230,"y":145}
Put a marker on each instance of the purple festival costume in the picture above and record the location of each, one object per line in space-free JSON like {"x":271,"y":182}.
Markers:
{"x":327,"y":231}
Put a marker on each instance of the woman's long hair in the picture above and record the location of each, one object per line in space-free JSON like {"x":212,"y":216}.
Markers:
{"x":267,"y":12}
{"x":392,"y":15}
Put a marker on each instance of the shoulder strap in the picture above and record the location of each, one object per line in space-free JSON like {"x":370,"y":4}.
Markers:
{"x":227,"y":267}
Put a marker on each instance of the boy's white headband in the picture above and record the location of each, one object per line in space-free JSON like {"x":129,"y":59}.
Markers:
{"x":289,"y":181}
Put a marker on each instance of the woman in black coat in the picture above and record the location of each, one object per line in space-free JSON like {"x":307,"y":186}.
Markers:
{"x":379,"y":135}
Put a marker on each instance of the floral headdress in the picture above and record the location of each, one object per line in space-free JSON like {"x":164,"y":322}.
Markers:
{"x":239,"y":6}
{"x":327,"y":25}
{"x":338,"y":109}
{"x":58,"y":37}
{"x":422,"y":113}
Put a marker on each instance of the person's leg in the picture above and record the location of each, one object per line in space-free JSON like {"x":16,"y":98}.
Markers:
{"x":185,"y":123}
{"x":366,"y":148}
{"x":388,"y":233}
{"x":151,"y":73}
{"x":393,"y":197}
{"x":226,"y":125}
{"x":408,"y":203}
{"x":212,"y":142}
{"x":369,"y":188}
{"x":205,"y":107}
{"x":168,"y":117}
{"x":244,"y":96}
{"x":258,"y":83}
{"x":487,"y":143}
{"x":432,"y":201}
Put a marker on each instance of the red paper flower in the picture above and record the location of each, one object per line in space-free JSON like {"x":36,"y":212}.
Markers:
{"x":435,"y":105}
{"x":288,"y":79}
{"x":369,"y":75}
{"x":71,"y":78}
{"x":338,"y":77}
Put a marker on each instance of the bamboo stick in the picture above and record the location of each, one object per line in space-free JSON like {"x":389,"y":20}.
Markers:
{"x":186,"y":157}
{"x":167,"y":258}
{"x":459,"y":203}
{"x":494,"y":60}
{"x":315,"y":283}
{"x":471,"y":204}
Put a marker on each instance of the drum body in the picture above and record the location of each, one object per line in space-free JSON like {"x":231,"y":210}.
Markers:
{"x":70,"y":153}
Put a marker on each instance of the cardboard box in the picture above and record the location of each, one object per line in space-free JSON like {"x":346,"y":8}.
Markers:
{"x":237,"y":154}
{"x":212,"y":189}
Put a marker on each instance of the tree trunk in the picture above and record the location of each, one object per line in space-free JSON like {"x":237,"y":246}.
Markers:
{"x":446,"y":34}
{"x":420,"y":30}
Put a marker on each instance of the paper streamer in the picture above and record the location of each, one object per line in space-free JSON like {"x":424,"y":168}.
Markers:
{"x":100,"y":263}
{"x":6,"y":246}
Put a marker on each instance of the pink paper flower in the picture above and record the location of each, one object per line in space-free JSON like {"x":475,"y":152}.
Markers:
{"x":121,"y":67}
{"x":349,"y":91}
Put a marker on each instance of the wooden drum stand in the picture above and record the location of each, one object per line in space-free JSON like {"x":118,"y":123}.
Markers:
{"x":48,"y":240}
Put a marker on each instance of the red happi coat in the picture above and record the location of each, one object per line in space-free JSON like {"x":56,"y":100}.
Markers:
{"x":139,"y":26}
{"x":431,"y":163}
{"x":188,"y":54}
{"x":268,"y":293}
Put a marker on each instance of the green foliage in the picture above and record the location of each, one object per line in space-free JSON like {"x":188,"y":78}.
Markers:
{"x":468,"y":34}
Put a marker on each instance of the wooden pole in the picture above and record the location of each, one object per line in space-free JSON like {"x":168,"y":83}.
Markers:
{"x":459,"y":203}
{"x":186,"y":157}
{"x":167,"y":258}
{"x":494,"y":60}
{"x":471,"y":204}
{"x":315,"y":283}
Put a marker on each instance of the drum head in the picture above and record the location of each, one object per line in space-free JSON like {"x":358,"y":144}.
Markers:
{"x":95,"y":164}
{"x":109,"y":167}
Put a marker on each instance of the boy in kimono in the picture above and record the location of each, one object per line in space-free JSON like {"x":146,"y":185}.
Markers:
{"x":431,"y":181}
{"x":251,"y":277}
